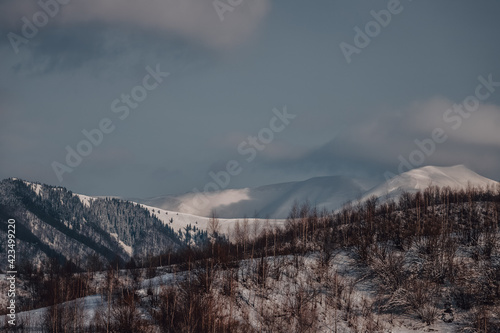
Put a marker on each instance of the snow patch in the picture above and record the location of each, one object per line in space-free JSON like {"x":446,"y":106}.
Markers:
{"x":86,"y":200}
{"x":128,"y":249}
{"x":178,"y":221}
{"x":35,"y":187}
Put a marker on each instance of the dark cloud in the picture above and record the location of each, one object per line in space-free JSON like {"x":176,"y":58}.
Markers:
{"x":355,"y":118}
{"x":196,"y":20}
{"x":376,"y":144}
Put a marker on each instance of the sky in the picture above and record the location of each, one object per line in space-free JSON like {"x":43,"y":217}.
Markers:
{"x":160,"y":97}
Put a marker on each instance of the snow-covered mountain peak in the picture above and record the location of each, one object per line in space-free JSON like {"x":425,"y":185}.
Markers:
{"x":275,"y":200}
{"x":458,"y":176}
{"x":455,"y":177}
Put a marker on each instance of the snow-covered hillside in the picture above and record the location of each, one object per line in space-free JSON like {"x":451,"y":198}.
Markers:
{"x":56,"y":223}
{"x":455,"y":177}
{"x":178,"y":221}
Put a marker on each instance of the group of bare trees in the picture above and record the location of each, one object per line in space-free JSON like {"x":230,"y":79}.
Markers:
{"x":429,"y":255}
{"x":431,"y":249}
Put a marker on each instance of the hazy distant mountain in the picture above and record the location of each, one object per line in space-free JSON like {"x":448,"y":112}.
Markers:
{"x":54,"y":222}
{"x":328,"y":193}
{"x":273,"y":201}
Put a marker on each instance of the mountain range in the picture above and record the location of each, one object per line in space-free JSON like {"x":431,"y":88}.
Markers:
{"x":54,"y":222}
{"x":330,"y":193}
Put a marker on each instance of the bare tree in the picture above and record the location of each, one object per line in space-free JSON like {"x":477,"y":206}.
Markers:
{"x":214,"y":226}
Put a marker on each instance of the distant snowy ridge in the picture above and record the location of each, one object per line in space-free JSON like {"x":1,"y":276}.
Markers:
{"x":274,"y":201}
{"x":455,"y":177}
{"x":328,"y":193}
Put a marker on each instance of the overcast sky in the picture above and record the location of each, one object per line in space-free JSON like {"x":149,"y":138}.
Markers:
{"x":359,"y":104}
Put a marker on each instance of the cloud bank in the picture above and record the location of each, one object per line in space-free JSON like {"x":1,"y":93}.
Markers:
{"x":377,"y":143}
{"x":196,"y":20}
